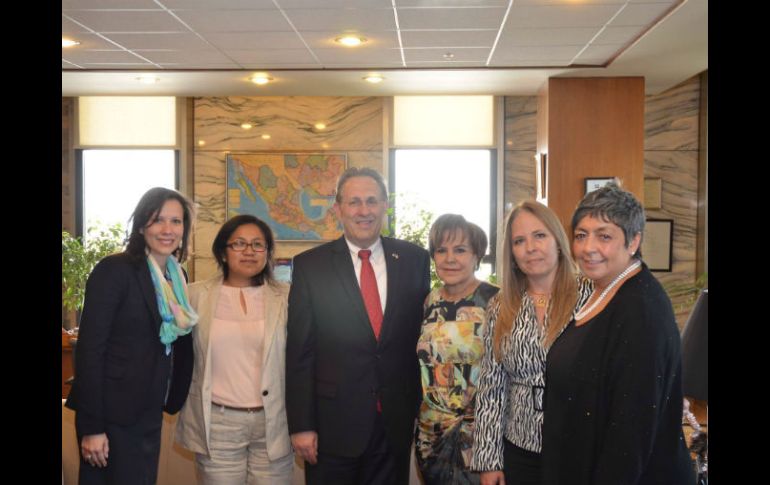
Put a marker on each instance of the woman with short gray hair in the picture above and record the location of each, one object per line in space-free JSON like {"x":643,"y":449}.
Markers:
{"x":613,"y":405}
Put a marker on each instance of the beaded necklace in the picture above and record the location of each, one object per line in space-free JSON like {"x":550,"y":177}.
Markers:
{"x":585,"y":311}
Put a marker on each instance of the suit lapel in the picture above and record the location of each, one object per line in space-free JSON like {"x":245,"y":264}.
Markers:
{"x":272,"y":307}
{"x":346,"y":273}
{"x":393,"y":268}
{"x":148,"y":292}
{"x":205,"y":310}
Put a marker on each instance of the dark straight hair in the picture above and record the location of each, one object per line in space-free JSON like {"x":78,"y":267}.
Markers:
{"x":219,"y":246}
{"x":148,"y":207}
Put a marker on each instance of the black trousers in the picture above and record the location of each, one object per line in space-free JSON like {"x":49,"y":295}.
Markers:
{"x":378,"y":465}
{"x":134,"y":452}
{"x":521,"y":467}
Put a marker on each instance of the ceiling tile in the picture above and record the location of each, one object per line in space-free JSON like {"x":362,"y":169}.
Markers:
{"x":530,"y":63}
{"x":240,"y":40}
{"x":374,"y":40}
{"x":598,"y":54}
{"x":70,"y":27}
{"x":642,"y":14}
{"x":90,"y":57}
{"x":617,"y":35}
{"x":108,"y":4}
{"x":560,"y":15}
{"x":127,"y":21}
{"x":562,"y":2}
{"x":152,"y":40}
{"x":358,"y":56}
{"x":314,"y":4}
{"x":452,"y":3}
{"x":339,"y":20}
{"x":218,"y":4}
{"x":519,"y":36}
{"x":186,"y":56}
{"x":450,"y":18}
{"x":536,"y":53}
{"x":69,"y":65}
{"x":91,"y":42}
{"x":119,"y":65}
{"x":283,"y":56}
{"x":206,"y":21}
{"x":452,"y":38}
{"x":436,"y":55}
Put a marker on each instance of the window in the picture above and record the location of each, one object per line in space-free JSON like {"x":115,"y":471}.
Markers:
{"x":113,"y":181}
{"x":447,"y":181}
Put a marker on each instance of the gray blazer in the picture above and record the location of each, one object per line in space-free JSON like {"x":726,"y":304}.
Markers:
{"x":194,"y":425}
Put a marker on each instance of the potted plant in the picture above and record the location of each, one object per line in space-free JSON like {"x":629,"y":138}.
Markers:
{"x":78,"y":260}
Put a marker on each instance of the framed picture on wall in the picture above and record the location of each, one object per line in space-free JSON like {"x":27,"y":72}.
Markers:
{"x":292,"y":192}
{"x":657,"y":244}
{"x":593,"y":183}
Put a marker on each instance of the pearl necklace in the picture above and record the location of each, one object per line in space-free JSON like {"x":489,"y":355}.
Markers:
{"x":585,"y":311}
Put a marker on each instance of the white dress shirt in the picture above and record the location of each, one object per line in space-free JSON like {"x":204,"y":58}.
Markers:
{"x":377,"y":258}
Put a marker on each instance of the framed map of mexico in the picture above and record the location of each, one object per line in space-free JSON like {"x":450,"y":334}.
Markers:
{"x":292,"y":192}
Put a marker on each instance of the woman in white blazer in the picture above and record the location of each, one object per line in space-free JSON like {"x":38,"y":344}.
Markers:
{"x":234,"y":419}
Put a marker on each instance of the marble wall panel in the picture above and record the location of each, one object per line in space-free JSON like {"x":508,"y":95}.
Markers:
{"x":354,"y":127}
{"x":520,"y":177}
{"x":520,"y":129}
{"x":671,"y":118}
{"x":521,"y":123}
{"x":352,"y":123}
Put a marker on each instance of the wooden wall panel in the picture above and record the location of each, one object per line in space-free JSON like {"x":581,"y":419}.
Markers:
{"x":595,"y":128}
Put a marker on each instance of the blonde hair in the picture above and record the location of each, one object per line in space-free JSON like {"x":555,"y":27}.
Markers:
{"x":514,"y":281}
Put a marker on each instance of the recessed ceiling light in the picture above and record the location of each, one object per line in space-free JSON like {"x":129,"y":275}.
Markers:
{"x":265,"y":136}
{"x":449,"y":55}
{"x":247,"y":126}
{"x":350,"y":40}
{"x":148,"y":79}
{"x":69,"y":43}
{"x":201,"y":143}
{"x":374,"y":78}
{"x":260,"y":78}
{"x":320,"y":126}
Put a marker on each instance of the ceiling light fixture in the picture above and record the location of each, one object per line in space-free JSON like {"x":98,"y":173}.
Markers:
{"x":448,"y":56}
{"x":69,"y":43}
{"x":247,"y":126}
{"x":265,"y":136}
{"x":350,"y":40}
{"x":374,"y":78}
{"x":201,"y":143}
{"x":260,"y":78}
{"x":320,"y":126}
{"x":148,"y":79}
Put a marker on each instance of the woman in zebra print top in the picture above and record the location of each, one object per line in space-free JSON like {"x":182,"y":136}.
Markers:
{"x":539,"y":295}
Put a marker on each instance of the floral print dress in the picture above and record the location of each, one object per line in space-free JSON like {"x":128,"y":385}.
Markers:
{"x":449,"y":351}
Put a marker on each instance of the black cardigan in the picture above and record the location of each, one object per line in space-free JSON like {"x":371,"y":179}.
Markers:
{"x":613,"y":403}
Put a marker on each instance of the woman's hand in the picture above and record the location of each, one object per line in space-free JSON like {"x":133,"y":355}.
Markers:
{"x":95,"y":448}
{"x":492,"y":478}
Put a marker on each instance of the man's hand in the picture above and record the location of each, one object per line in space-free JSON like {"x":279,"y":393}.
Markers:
{"x":305,"y":444}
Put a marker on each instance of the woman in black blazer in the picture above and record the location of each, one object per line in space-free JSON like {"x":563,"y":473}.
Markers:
{"x":134,"y":357}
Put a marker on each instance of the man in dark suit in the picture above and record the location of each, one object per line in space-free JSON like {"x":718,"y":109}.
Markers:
{"x":352,"y":376}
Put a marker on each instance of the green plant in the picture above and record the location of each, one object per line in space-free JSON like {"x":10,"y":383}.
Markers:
{"x":413,"y":225}
{"x":78,"y":260}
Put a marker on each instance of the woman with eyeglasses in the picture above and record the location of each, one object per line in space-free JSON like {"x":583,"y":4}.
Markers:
{"x":234,"y":419}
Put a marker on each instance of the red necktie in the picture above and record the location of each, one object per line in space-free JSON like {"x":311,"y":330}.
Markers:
{"x":370,"y":292}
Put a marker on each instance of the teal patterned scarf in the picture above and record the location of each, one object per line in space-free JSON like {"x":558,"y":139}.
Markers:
{"x":178,"y":316}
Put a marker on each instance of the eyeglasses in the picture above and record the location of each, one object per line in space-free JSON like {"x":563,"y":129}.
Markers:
{"x":240,"y":246}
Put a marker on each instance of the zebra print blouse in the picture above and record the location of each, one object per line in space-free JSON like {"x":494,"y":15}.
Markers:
{"x":509,"y":398}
